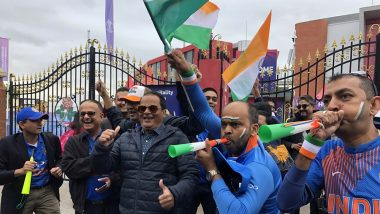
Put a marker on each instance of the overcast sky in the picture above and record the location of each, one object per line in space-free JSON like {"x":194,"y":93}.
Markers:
{"x":41,"y":30}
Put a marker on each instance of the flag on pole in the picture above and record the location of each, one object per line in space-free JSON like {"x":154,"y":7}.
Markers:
{"x":109,"y":24}
{"x":241,"y":75}
{"x":4,"y":57}
{"x":197,"y":28}
{"x":168,"y":15}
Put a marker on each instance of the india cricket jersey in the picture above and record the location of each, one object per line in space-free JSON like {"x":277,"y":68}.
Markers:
{"x":350,"y":176}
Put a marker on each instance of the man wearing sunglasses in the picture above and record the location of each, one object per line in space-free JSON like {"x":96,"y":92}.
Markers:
{"x":347,"y":167}
{"x":152,"y":181}
{"x":188,"y":125}
{"x":90,"y":192}
{"x":15,"y":153}
{"x":305,"y":112}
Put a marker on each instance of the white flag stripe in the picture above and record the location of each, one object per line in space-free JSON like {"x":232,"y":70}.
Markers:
{"x":201,"y":19}
{"x":243,"y":83}
{"x":310,"y":147}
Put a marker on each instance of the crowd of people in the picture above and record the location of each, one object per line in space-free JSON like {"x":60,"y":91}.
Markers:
{"x":117,"y":159}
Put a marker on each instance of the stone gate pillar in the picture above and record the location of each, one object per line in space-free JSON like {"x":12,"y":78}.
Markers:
{"x":3,"y":106}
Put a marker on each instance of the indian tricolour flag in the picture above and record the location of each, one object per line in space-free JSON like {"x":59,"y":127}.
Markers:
{"x":197,"y":28}
{"x":169,"y":15}
{"x":241,"y":75}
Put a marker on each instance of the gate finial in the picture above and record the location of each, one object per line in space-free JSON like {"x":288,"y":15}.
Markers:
{"x":317,"y":55}
{"x":343,"y":41}
{"x":352,"y":38}
{"x":360,"y":37}
{"x":300,"y":64}
{"x":326,"y":49}
{"x":308,"y":59}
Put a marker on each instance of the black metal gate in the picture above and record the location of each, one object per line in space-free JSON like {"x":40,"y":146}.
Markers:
{"x":59,"y":89}
{"x":358,"y":53}
{"x":70,"y":80}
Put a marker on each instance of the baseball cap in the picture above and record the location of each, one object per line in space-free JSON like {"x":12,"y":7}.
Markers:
{"x":135,"y":93}
{"x":30,"y":113}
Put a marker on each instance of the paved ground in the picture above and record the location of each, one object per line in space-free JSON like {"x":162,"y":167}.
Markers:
{"x":66,"y":203}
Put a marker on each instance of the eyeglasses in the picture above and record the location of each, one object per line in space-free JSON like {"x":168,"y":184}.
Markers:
{"x":365,"y":74}
{"x":152,"y":108}
{"x":211,"y":98}
{"x":303,"y":106}
{"x":89,"y":113}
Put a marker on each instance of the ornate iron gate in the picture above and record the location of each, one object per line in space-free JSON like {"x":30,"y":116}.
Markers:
{"x":309,"y":77}
{"x":59,"y":89}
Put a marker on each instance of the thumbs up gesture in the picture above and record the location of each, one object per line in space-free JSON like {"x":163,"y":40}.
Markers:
{"x":166,"y":199}
{"x":108,"y":136}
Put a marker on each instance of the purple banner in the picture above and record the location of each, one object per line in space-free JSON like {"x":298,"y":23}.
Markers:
{"x":169,"y":92}
{"x":4,"y":56}
{"x":267,"y":71}
{"x":109,"y":24}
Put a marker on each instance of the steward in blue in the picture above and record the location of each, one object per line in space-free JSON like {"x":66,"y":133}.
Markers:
{"x":15,"y":153}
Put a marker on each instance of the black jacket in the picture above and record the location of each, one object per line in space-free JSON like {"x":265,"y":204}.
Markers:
{"x":76,"y":164}
{"x":13,"y":155}
{"x":140,"y":177}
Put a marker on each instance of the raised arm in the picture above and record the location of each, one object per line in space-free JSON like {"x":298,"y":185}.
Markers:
{"x":202,"y":111}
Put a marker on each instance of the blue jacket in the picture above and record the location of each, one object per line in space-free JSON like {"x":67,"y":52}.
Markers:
{"x":257,"y":190}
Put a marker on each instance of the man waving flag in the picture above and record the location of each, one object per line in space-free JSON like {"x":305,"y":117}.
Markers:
{"x":241,"y":75}
{"x":169,"y":15}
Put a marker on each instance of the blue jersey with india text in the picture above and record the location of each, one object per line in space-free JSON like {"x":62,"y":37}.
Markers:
{"x":350,"y":176}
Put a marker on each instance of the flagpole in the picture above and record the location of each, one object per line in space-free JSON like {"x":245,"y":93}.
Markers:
{"x":221,"y":84}
{"x":167,"y":46}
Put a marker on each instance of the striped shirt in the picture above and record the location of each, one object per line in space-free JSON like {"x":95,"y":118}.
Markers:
{"x":350,"y":176}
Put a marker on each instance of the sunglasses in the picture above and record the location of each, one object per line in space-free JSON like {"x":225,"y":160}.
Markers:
{"x":211,"y":98}
{"x":152,"y":108}
{"x":89,"y":113}
{"x":365,"y":74}
{"x":303,"y":106}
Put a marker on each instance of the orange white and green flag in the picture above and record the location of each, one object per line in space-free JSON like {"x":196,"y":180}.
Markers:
{"x":169,"y":15}
{"x":241,"y":75}
{"x":197,"y":28}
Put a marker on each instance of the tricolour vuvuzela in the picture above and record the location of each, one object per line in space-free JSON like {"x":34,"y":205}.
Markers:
{"x":268,"y":133}
{"x":241,"y":75}
{"x":182,"y":149}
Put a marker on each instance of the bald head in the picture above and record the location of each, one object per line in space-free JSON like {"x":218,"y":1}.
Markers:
{"x":242,"y":110}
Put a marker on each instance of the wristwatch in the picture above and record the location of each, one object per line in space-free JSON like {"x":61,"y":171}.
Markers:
{"x":211,"y":173}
